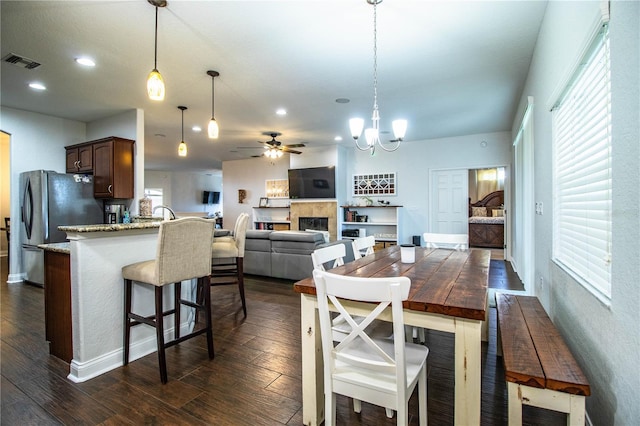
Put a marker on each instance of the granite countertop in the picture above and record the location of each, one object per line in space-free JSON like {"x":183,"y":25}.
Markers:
{"x":109,"y":227}
{"x":135,"y":219}
{"x":57,"y":247}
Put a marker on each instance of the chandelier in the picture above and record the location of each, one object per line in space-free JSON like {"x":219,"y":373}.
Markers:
{"x":372,"y":134}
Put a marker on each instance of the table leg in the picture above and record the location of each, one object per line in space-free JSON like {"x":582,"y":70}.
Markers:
{"x":468,"y":364}
{"x":312,"y":364}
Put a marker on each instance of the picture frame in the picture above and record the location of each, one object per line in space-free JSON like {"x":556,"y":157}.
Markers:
{"x":264,"y":202}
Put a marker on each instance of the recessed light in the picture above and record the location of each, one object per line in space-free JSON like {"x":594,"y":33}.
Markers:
{"x":281,"y":111}
{"x":37,"y":86}
{"x":337,"y":138}
{"x":160,"y":135}
{"x":196,"y":128}
{"x":87,"y":62}
{"x":342,"y":101}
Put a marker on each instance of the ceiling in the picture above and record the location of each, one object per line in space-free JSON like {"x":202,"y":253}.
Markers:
{"x":449,"y":67}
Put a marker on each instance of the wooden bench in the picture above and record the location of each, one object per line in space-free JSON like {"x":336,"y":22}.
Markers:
{"x":539,"y":368}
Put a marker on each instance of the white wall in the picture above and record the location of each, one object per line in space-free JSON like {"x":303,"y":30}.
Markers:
{"x":413,"y":163}
{"x":128,"y":125}
{"x":250,"y":175}
{"x":604,"y":339}
{"x":182,"y":191}
{"x":37,"y":142}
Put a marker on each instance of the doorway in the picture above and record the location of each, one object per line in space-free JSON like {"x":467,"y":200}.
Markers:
{"x":5,"y":195}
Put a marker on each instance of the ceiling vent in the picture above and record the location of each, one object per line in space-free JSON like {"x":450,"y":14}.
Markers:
{"x":21,"y":61}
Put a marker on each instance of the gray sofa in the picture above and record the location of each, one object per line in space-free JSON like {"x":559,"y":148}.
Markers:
{"x":285,"y":254}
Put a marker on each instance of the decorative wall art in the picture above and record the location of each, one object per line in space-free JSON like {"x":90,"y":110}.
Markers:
{"x":374,"y":184}
{"x":277,"y":188}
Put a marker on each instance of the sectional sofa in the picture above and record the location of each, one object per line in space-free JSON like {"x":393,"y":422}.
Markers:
{"x":285,"y":254}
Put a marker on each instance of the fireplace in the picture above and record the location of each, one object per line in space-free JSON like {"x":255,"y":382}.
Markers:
{"x":315,"y":209}
{"x":315,"y":223}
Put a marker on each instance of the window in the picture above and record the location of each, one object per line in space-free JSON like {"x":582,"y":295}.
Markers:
{"x":156,"y":196}
{"x":582,"y":172}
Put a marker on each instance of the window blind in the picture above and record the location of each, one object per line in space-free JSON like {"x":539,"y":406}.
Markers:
{"x":582,"y":172}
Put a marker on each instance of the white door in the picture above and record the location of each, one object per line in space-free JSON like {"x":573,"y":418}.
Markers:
{"x":449,"y":202}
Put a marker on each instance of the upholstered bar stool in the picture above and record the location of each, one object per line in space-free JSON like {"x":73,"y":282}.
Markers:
{"x":228,"y":257}
{"x":183,"y":253}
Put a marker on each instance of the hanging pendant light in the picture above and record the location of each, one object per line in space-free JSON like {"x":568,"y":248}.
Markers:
{"x":213,"y":128}
{"x":182,"y":148}
{"x":155,"y":82}
{"x":372,"y":135}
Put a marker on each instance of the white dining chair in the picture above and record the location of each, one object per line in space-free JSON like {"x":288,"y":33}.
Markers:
{"x":328,"y":257}
{"x":363,"y":246}
{"x":452,"y":241}
{"x":383,"y":372}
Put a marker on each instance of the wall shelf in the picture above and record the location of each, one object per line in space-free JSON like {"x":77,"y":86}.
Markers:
{"x":271,"y":218}
{"x":383,"y":222}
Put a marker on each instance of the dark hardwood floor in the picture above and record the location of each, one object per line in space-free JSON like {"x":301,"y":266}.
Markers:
{"x":253,"y":380}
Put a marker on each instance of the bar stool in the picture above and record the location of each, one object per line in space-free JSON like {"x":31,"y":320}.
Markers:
{"x":228,"y":257}
{"x":183,"y":253}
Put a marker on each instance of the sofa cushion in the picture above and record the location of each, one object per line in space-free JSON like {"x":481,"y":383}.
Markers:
{"x":258,"y":241}
{"x":295,"y":242}
{"x":258,"y":234}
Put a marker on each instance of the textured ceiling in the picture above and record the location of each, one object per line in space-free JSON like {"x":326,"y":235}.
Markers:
{"x":449,"y":67}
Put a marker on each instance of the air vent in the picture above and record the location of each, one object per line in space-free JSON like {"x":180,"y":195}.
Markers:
{"x":21,"y":61}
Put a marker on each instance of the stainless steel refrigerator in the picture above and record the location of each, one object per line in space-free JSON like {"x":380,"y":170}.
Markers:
{"x":48,"y":200}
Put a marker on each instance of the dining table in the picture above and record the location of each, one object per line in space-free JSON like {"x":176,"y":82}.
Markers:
{"x":449,"y":293}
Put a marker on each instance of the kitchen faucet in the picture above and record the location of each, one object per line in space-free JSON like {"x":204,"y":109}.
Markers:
{"x":171,"y":212}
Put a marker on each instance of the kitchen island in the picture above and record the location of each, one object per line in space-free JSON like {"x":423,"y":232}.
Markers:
{"x":97,"y":255}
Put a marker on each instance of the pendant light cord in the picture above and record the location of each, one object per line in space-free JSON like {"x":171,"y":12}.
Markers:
{"x":212,"y":95}
{"x":155,"y":51}
{"x":375,"y":56}
{"x":182,"y":139}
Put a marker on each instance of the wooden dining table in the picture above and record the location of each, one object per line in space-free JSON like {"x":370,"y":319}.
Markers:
{"x":448,"y":293}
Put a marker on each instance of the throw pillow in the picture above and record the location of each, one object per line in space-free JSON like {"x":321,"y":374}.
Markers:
{"x":479,"y":211}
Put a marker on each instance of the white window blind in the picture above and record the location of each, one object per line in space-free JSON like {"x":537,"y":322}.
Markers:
{"x":582,"y":172}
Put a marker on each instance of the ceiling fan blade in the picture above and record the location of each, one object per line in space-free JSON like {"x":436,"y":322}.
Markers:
{"x":295,"y":145}
{"x":290,"y":151}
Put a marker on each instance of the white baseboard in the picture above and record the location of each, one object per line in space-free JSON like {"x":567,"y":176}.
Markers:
{"x":83,"y":371}
{"x":15,"y":278}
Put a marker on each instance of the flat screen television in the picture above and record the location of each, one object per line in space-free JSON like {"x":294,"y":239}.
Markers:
{"x":210,"y":197}
{"x":313,"y":182}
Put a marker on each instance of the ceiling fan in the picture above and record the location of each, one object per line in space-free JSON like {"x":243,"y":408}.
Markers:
{"x":276,"y":144}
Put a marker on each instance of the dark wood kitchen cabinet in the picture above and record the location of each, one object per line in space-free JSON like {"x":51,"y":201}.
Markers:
{"x":80,"y":158}
{"x":57,"y":304}
{"x":113,"y":168}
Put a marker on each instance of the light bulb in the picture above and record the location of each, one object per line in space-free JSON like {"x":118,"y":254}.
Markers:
{"x":213,"y":129}
{"x":399,"y":128}
{"x":182,"y":149}
{"x":356,"y":125}
{"x":155,"y":86}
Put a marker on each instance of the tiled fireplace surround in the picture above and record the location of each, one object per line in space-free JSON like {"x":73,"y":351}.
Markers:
{"x":327,"y":209}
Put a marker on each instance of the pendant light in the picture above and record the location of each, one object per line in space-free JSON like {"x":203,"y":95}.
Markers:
{"x":155,"y":83}
{"x":213,"y":129}
{"x":372,"y":135}
{"x":182,"y":148}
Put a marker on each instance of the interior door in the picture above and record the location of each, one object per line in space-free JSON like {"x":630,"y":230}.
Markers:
{"x":449,"y":201}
